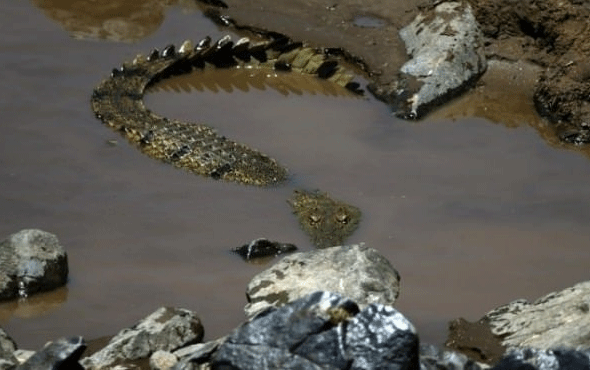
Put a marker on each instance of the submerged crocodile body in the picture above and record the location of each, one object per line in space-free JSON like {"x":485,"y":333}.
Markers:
{"x":118,"y":102}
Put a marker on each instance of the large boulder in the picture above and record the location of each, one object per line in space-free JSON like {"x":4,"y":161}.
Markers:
{"x":559,"y":319}
{"x":446,"y":48}
{"x":357,"y":272}
{"x":322,"y":331}
{"x":31,"y":261}
{"x":166,"y":329}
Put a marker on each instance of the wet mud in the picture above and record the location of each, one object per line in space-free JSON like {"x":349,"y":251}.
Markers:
{"x":473,"y":212}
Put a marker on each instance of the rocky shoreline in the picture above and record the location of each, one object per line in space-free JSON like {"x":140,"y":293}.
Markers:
{"x":324,"y":309}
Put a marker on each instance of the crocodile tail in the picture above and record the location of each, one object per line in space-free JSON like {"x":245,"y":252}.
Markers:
{"x":118,"y":102}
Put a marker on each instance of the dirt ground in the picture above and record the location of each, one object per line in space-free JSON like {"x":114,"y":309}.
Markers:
{"x":552,"y":34}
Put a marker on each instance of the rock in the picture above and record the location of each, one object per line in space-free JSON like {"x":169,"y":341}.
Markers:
{"x":23,"y":355}
{"x":322,"y":330}
{"x":31,"y":261}
{"x":447,"y":56}
{"x":559,"y":319}
{"x":262,"y":247}
{"x":7,"y":345}
{"x":59,"y":355}
{"x":162,"y":360}
{"x":197,"y":356}
{"x":535,"y":359}
{"x":166,"y":329}
{"x":433,"y":358}
{"x":357,"y":272}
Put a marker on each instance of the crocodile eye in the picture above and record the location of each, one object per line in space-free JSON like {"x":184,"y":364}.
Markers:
{"x":342,"y":218}
{"x":314,"y":219}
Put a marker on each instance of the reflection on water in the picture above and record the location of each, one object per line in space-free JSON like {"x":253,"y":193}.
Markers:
{"x":36,"y":305}
{"x":123,"y":21}
{"x":472,"y":214}
{"x":242,"y":79}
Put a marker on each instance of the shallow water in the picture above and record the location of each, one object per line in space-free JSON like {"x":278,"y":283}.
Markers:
{"x":472,"y":214}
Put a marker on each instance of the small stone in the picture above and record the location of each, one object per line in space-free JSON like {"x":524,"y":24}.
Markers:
{"x":262,"y":247}
{"x":162,"y":360}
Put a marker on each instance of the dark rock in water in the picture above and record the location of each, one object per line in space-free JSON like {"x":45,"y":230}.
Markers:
{"x":447,"y":56}
{"x":31,"y":261}
{"x":357,"y":272}
{"x":322,"y":331}
{"x":62,"y":354}
{"x":166,"y":329}
{"x":263,"y":248}
{"x":535,"y":359}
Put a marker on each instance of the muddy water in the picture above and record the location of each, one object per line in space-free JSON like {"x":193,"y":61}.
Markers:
{"x":473,"y":214}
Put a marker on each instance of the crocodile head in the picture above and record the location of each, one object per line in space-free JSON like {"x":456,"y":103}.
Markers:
{"x":328,"y":222}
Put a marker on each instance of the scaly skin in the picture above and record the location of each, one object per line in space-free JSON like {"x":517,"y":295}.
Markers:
{"x":118,"y":102}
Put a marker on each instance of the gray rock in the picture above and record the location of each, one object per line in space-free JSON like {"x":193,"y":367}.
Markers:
{"x":31,"y":261}
{"x":166,"y":329}
{"x":59,"y":355}
{"x":433,"y":358}
{"x":7,"y":346}
{"x":322,"y":331}
{"x":197,"y":356}
{"x":446,"y":49}
{"x":357,"y":272}
{"x":535,"y":359}
{"x":557,"y":320}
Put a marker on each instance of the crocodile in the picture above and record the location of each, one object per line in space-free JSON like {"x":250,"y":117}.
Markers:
{"x":118,"y":102}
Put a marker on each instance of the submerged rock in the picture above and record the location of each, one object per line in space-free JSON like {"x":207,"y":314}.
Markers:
{"x":260,"y":248}
{"x":166,"y":329}
{"x":31,"y":261}
{"x":59,"y":355}
{"x":357,"y":272}
{"x":447,"y":55}
{"x":322,"y":331}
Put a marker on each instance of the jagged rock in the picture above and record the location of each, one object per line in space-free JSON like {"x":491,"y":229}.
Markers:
{"x":322,"y":331}
{"x":357,"y":272}
{"x":559,"y":319}
{"x":59,"y":355}
{"x":162,"y":360}
{"x":262,"y":247}
{"x":197,"y":356}
{"x":446,"y":49}
{"x":535,"y":359}
{"x":31,"y":261}
{"x":166,"y":329}
{"x":433,"y":358}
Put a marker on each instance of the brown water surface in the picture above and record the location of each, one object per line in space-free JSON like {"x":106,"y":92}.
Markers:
{"x":473,"y":214}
